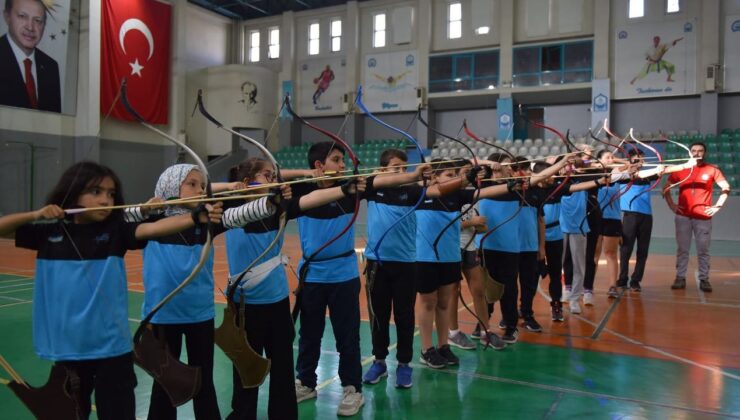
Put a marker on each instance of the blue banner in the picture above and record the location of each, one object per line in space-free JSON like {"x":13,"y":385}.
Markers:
{"x":505,"y":117}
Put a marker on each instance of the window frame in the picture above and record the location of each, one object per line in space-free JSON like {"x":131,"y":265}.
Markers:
{"x":333,"y":36}
{"x":252,"y":47}
{"x":563,"y":72}
{"x":450,"y":21}
{"x":317,"y":40}
{"x":377,"y":31}
{"x":468,"y":82}
{"x":270,"y":45}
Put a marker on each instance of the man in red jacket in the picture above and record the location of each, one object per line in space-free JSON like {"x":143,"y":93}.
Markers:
{"x":694,"y":213}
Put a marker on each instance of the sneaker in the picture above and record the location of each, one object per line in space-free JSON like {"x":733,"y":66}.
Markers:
{"x":351,"y":402}
{"x":510,"y":336}
{"x":575,"y":308}
{"x":566,"y":294}
{"x":635,"y":286}
{"x":433,"y":359}
{"x":678,"y":284}
{"x":588,"y":298}
{"x":475,"y":335}
{"x":557,"y":311}
{"x":622,"y":284}
{"x":705,"y":286}
{"x":378,"y":370}
{"x":448,"y":355}
{"x":302,"y":392}
{"x":613,"y":292}
{"x":461,"y":341}
{"x":531,"y":324}
{"x":493,"y":341}
{"x":403,"y":376}
{"x":501,"y":325}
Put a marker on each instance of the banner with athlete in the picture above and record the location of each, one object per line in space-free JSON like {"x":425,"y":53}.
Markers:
{"x":322,"y":84}
{"x":655,"y":59}
{"x":390,"y":81}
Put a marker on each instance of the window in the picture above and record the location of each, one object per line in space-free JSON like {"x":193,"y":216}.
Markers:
{"x":273,"y":43}
{"x":379,"y":30}
{"x":553,"y":64}
{"x":454,"y":21}
{"x":336,"y":35}
{"x":637,"y":8}
{"x":313,"y":39}
{"x":482,"y":30}
{"x":673,"y":6}
{"x":254,"y":46}
{"x":468,"y":71}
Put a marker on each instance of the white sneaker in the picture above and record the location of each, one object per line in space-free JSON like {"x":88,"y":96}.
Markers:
{"x":588,"y":298}
{"x":302,"y":392}
{"x":351,"y":402}
{"x":566,"y":295}
{"x":575,"y":308}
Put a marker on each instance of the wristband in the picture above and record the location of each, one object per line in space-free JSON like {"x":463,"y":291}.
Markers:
{"x":195,"y":213}
{"x":345,"y":188}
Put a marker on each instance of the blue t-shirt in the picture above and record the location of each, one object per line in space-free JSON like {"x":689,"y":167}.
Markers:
{"x":337,"y":263}
{"x":610,"y":208}
{"x":552,"y":222}
{"x":573,"y":211}
{"x":431,"y":218}
{"x":385,"y":207}
{"x":499,"y":212}
{"x":642,"y":203}
{"x":167,"y":262}
{"x":246,"y":244}
{"x":80,"y":300}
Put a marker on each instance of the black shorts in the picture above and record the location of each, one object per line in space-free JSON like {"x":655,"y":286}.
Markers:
{"x":470,"y":259}
{"x":431,"y":276}
{"x":611,"y":228}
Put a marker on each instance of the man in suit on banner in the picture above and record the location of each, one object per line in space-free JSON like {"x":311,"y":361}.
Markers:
{"x":28,"y":77}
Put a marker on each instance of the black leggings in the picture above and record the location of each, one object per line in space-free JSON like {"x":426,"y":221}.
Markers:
{"x":554,"y":254}
{"x":199,"y":342}
{"x":503,"y":267}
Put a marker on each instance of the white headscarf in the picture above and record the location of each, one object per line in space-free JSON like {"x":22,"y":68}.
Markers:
{"x":168,"y":186}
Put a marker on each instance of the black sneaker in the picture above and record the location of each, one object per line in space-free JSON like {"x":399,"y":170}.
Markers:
{"x":501,"y":325}
{"x":678,"y":284}
{"x":705,"y":286}
{"x":448,"y":355}
{"x":510,"y":335}
{"x":622,"y":284}
{"x":433,"y":359}
{"x":635,"y":286}
{"x":531,"y":324}
{"x":557,"y":311}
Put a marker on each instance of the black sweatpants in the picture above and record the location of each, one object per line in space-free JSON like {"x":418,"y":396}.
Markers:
{"x":199,"y":342}
{"x":554,"y":254}
{"x":594,"y":222}
{"x":636,"y":227}
{"x":393,"y":288}
{"x":528,"y":280}
{"x":113,"y":380}
{"x":270,"y":330}
{"x":504,"y":267}
{"x":343,"y":301}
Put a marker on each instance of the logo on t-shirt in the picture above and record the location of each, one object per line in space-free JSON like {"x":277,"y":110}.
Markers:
{"x":56,"y":239}
{"x":705,"y":177}
{"x":102,"y":238}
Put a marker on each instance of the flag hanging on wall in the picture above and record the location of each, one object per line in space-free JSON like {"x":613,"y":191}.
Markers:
{"x":135,"y":45}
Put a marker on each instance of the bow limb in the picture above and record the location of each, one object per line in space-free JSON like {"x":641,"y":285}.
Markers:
{"x":355,"y":163}
{"x":660,"y":161}
{"x":206,"y":250}
{"x":623,"y":140}
{"x":282,"y":218}
{"x":452,"y":222}
{"x":691,"y":170}
{"x":411,"y":138}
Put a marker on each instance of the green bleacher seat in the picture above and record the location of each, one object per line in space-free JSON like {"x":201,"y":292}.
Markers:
{"x":709,"y":138}
{"x":726,"y":158}
{"x":729,"y":168}
{"x":726,"y":131}
{"x":725,"y":147}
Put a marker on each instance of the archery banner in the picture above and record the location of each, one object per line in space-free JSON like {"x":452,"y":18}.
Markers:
{"x":731,"y":54}
{"x":655,"y":59}
{"x":321,"y":86}
{"x":135,"y":46}
{"x":390,"y":81}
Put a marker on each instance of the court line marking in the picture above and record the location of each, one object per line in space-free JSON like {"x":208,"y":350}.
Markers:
{"x":15,"y":291}
{"x":14,"y":299}
{"x":14,"y":304}
{"x":579,"y":392}
{"x":554,"y":405}
{"x":607,"y":315}
{"x":662,"y":352}
{"x":23,"y":283}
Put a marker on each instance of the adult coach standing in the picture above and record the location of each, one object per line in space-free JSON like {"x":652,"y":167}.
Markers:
{"x":694,"y":214}
{"x":28,"y":77}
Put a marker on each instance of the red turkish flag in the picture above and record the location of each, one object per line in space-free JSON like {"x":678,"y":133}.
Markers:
{"x":135,"y":45}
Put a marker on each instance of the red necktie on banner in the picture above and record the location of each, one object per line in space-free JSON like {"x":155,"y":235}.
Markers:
{"x":135,"y":45}
{"x":30,"y":84}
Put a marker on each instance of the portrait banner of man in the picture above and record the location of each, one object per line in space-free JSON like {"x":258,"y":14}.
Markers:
{"x":36,"y":36}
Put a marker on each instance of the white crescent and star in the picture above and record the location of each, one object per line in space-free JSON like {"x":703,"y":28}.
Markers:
{"x":134,"y":24}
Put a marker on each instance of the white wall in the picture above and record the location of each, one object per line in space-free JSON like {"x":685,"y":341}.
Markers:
{"x":576,"y":117}
{"x":538,"y":20}
{"x":488,"y":15}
